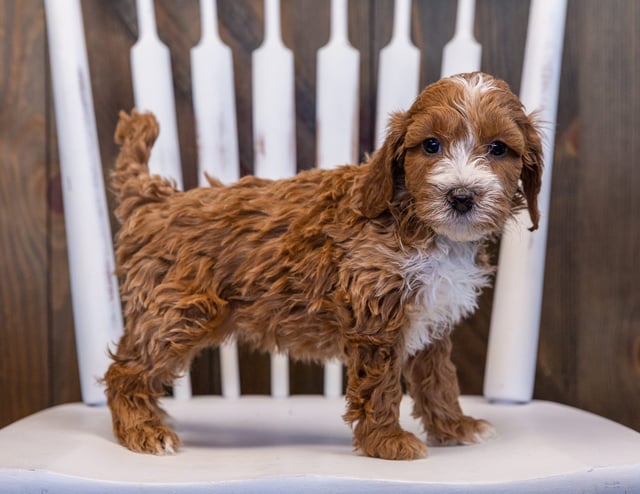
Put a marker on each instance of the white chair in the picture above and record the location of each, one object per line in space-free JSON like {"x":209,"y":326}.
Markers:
{"x":290,"y":444}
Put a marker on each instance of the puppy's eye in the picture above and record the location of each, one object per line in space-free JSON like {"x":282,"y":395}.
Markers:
{"x":498,"y":149}
{"x":431,"y":146}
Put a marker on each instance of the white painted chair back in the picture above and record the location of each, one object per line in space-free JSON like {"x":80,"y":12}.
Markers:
{"x":516,"y":315}
{"x":259,"y":444}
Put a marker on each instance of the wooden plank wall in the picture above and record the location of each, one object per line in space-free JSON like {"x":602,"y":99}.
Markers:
{"x":590,"y":338}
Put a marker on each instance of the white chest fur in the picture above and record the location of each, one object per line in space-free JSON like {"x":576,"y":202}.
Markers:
{"x":448,"y":280}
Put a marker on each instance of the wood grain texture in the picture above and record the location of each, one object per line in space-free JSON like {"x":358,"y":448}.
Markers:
{"x":556,"y":377}
{"x":589,"y":353}
{"x":24,"y":339}
{"x":607,"y":206}
{"x":65,"y":379}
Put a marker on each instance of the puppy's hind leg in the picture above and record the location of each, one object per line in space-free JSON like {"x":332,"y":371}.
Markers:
{"x":133,"y":389}
{"x":157,"y":347}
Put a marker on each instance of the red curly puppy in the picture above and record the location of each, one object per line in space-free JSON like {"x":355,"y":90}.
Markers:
{"x":372,"y":264}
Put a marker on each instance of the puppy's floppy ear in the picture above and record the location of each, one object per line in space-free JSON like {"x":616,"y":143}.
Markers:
{"x":531,"y":174}
{"x":376,"y":188}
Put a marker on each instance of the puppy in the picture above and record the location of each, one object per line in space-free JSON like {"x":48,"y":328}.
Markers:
{"x":373,"y":264}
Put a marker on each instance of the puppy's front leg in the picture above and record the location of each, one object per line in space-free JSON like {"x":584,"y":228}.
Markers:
{"x":433,"y":385}
{"x":373,"y":395}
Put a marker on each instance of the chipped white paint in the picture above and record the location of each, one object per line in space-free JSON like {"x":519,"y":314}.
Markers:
{"x":274,"y":132}
{"x":273,"y":102}
{"x":337,"y":94}
{"x":214,"y":101}
{"x":97,"y":313}
{"x":398,"y":72}
{"x":217,"y":137}
{"x":515,"y":321}
{"x":153,"y":91}
{"x":463,"y":53}
{"x":337,"y":113}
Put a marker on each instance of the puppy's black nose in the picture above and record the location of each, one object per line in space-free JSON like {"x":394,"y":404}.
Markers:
{"x":461,"y":200}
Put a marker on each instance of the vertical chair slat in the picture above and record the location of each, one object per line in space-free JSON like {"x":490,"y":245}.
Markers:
{"x":397,"y":92}
{"x":94,"y":286}
{"x":279,"y":375}
{"x":217,"y":137}
{"x":337,"y":89}
{"x":515,"y":320}
{"x":337,"y":106}
{"x":214,"y":102}
{"x":230,"y":369}
{"x":332,"y":379}
{"x":463,"y":53}
{"x":273,"y":102}
{"x":274,"y":131}
{"x":153,"y":91}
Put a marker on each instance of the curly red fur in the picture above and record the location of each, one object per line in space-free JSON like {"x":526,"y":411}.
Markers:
{"x":354,"y":262}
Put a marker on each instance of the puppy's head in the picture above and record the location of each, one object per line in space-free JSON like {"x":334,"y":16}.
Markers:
{"x":465,"y":154}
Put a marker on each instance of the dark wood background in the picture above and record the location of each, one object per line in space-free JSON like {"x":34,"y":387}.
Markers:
{"x":590,"y":337}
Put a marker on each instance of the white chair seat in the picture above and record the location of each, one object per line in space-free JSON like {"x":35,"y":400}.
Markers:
{"x":261,"y":444}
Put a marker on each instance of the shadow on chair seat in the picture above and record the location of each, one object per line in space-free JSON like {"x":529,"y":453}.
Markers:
{"x":260,"y":422}
{"x":261,"y":444}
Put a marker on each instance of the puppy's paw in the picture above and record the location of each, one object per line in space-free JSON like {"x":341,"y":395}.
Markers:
{"x":394,"y":445}
{"x":465,"y":430}
{"x":156,"y":440}
{"x":484,"y":431}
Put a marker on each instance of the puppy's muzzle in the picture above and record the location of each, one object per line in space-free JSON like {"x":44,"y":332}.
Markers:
{"x":461,"y":200}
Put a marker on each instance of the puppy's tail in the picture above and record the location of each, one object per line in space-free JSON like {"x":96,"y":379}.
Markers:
{"x":131,"y":182}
